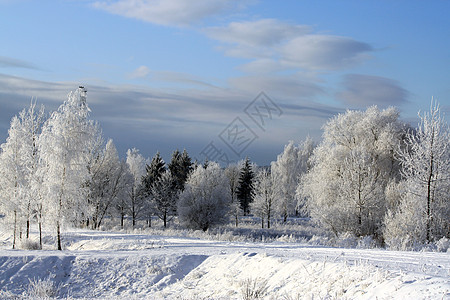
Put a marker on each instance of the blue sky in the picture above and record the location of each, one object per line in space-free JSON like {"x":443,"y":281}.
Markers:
{"x":174,"y":74}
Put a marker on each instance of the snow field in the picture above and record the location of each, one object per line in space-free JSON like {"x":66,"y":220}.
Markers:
{"x":108,"y":265}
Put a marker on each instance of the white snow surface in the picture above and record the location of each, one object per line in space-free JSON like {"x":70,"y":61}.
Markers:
{"x":116,"y":265}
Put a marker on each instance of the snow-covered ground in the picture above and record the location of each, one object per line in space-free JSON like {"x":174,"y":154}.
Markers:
{"x":116,"y":265}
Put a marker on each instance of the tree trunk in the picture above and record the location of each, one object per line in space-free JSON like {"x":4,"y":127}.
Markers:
{"x":262,"y":222}
{"x":429,"y":201}
{"x":165,"y":219}
{"x":58,"y":235}
{"x":15,"y":229}
{"x":40,"y":234}
{"x":40,"y":225}
{"x":430,"y":177}
{"x":28,"y":228}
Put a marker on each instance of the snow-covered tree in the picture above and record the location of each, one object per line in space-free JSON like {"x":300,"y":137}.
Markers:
{"x":31,"y":121}
{"x":233,"y":172}
{"x":18,"y":166}
{"x":345,"y":188}
{"x":304,"y":154}
{"x":109,"y":182}
{"x":423,"y":214}
{"x":63,"y":147}
{"x":205,"y":199}
{"x":286,"y":170}
{"x":266,"y":193}
{"x":245,"y":191}
{"x":136,"y":198}
{"x":12,"y":178}
{"x":164,"y":197}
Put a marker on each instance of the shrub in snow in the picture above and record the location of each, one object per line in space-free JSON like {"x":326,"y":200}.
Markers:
{"x":41,"y":289}
{"x":367,"y":242}
{"x":206,"y":198}
{"x":30,"y":245}
{"x":253,"y":288}
{"x":346,"y":240}
{"x":318,"y":240}
{"x":443,"y":244}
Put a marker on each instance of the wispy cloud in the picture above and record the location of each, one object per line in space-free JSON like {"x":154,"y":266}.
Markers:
{"x":168,"y":12}
{"x":139,"y":72}
{"x":365,"y":90}
{"x":154,"y":120}
{"x":9,"y":62}
{"x":262,"y":33}
{"x":286,"y":87}
{"x":324,"y":52}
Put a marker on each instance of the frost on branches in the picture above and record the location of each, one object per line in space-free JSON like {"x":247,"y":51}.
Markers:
{"x":266,"y":193}
{"x":206,"y":198}
{"x":423,"y":214}
{"x":136,"y":198}
{"x":345,"y":189}
{"x":63,"y":146}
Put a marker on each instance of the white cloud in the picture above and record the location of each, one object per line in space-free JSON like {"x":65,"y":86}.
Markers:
{"x":275,"y":45}
{"x":364,"y":90}
{"x":264,"y":32}
{"x":140,"y":72}
{"x":324,"y":52}
{"x":167,"y":12}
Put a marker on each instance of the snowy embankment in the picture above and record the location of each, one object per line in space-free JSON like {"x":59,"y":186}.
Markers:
{"x":115,"y":265}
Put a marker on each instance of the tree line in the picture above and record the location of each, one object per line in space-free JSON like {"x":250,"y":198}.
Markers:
{"x":371,"y":175}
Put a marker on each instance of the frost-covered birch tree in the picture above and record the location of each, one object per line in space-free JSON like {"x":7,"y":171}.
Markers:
{"x":266,"y":192}
{"x":286,"y":170}
{"x":63,"y":147}
{"x":233,"y":172}
{"x":206,"y":198}
{"x":136,"y":199}
{"x":109,"y":182}
{"x":423,"y":214}
{"x":12,"y":179}
{"x":351,"y":167}
{"x":18,"y":167}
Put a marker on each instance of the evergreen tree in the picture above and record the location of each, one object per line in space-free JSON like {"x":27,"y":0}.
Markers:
{"x":164,"y":197}
{"x":180,"y":167}
{"x":245,"y":191}
{"x":154,"y":171}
